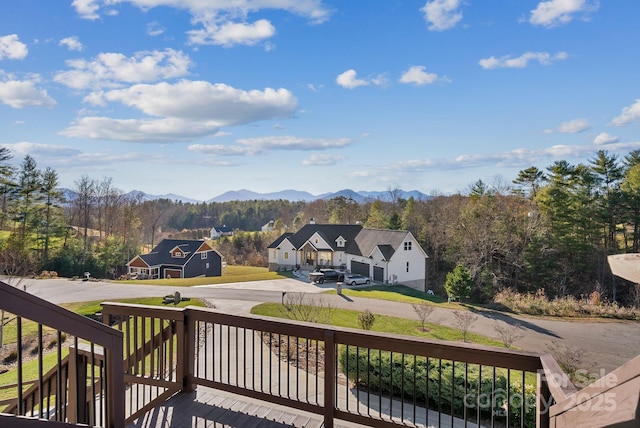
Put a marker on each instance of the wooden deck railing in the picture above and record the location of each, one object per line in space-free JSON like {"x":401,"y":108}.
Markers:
{"x":369,"y":378}
{"x":380,"y":380}
{"x":76,"y":382}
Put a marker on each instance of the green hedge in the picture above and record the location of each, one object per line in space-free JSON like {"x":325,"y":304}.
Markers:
{"x":441,"y":383}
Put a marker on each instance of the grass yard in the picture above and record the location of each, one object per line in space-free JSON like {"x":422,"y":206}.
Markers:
{"x":400,"y":293}
{"x":383,"y":323}
{"x":230,"y":274}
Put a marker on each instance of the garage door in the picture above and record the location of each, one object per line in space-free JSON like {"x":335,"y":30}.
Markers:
{"x":359,"y":267}
{"x":378,"y":274}
{"x":172,"y":273}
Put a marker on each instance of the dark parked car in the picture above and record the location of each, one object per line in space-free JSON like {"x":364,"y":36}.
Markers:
{"x":326,"y":275}
{"x":355,"y":279}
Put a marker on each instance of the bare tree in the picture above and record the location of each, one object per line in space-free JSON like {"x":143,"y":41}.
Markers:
{"x":634,"y":295}
{"x":84,"y":204}
{"x":509,"y":333}
{"x":464,"y":320}
{"x":300,"y":307}
{"x":569,"y":358}
{"x":423,"y":310}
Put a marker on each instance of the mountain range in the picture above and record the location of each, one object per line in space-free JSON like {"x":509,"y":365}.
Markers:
{"x":290,"y":195}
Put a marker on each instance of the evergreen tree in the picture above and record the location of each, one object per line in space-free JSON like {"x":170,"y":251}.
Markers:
{"x":459,"y":283}
{"x":29,"y":194}
{"x":52,"y":199}
{"x":530,"y":178}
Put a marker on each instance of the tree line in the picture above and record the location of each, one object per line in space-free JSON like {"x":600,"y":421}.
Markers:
{"x":548,"y":229}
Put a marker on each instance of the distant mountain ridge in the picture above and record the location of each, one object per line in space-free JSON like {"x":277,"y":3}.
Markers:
{"x":287,"y":195}
{"x":297,"y":195}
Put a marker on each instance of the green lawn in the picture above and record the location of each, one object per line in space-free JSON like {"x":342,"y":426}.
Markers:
{"x":229,"y":274}
{"x":400,"y":293}
{"x":383,"y":323}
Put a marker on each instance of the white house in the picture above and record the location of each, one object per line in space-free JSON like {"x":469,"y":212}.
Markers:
{"x":218,"y":231}
{"x":386,"y":256}
{"x":268,"y":227}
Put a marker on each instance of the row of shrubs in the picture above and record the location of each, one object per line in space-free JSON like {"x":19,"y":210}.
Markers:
{"x":593,"y":305}
{"x":460,"y":388}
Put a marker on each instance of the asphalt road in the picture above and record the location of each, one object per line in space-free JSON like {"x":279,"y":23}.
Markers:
{"x":603,"y":345}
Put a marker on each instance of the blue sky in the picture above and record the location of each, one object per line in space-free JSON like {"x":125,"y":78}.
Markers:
{"x":199,"y":97}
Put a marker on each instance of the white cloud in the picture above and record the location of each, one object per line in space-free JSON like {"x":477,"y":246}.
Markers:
{"x":349,"y":80}
{"x":12,"y":48}
{"x":23,"y":93}
{"x":442,"y":14}
{"x":166,"y":130}
{"x":155,"y":29}
{"x":204,"y":101}
{"x":218,"y":18}
{"x":629,"y":114}
{"x":417,"y":75}
{"x":573,"y":126}
{"x":232,"y":33}
{"x":72,"y":43}
{"x":552,"y":13}
{"x":522,"y":61}
{"x":515,"y":158}
{"x":221,"y":150}
{"x":26,"y":148}
{"x":286,"y":142}
{"x":114,"y":69}
{"x":604,"y":138}
{"x":187,"y":110}
{"x":322,"y":160}
{"x":87,"y":9}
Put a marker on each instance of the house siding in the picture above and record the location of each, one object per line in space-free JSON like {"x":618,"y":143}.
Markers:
{"x":162,"y":259}
{"x":278,"y":260}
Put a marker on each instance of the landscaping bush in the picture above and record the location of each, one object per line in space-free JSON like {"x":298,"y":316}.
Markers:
{"x":439,"y":384}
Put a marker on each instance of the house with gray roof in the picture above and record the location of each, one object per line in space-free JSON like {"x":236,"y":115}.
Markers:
{"x":384,"y":255}
{"x":177,"y":258}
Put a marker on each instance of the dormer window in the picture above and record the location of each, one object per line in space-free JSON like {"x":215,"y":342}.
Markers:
{"x":178,"y":253}
{"x":340,"y":242}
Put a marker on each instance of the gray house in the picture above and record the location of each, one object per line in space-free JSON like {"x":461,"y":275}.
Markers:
{"x":177,"y":258}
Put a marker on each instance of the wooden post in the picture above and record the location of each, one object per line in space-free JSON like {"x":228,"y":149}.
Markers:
{"x":329,"y":377}
{"x":189,"y":352}
{"x":77,"y":406}
{"x":543,"y":401}
{"x":115,"y":393}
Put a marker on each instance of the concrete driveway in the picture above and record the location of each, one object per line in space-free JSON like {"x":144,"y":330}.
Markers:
{"x":603,"y":344}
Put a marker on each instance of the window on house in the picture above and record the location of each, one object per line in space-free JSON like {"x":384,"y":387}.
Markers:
{"x":207,"y":265}
{"x":407,"y":246}
{"x":286,"y":255}
{"x":407,"y":266}
{"x":178,"y":254}
{"x":203,"y":256}
{"x":316,"y":240}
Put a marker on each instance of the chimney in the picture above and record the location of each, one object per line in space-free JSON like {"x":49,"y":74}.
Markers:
{"x":312,"y":221}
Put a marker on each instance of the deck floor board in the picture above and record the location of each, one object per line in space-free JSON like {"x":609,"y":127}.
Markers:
{"x":209,"y":408}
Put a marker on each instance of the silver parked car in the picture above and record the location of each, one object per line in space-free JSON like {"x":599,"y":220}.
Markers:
{"x":356,"y":279}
